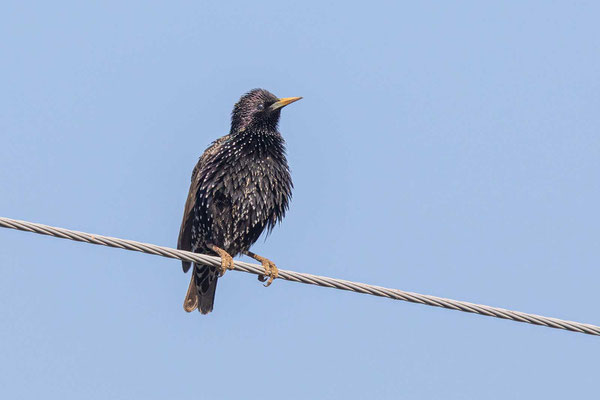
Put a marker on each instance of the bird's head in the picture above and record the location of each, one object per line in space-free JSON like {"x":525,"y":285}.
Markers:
{"x":260,"y":109}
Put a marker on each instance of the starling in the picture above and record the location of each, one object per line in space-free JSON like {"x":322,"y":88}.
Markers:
{"x":240,"y":186}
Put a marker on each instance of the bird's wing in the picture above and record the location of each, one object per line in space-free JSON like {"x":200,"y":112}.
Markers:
{"x":185,"y":232}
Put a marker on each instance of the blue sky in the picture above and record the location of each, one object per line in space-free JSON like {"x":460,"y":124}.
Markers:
{"x":449,"y":149}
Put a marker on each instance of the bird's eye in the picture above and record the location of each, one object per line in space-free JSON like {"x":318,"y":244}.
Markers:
{"x":260,"y":107}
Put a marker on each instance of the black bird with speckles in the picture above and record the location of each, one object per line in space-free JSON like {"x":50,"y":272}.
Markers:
{"x":240,"y":187}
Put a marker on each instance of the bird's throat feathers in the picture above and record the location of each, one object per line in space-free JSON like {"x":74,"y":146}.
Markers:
{"x":259,"y":140}
{"x":242,"y":122}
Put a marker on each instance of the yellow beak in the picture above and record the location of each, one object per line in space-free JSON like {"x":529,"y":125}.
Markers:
{"x":283,"y":102}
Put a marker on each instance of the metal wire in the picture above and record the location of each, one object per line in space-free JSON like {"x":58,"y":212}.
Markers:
{"x":303,"y":278}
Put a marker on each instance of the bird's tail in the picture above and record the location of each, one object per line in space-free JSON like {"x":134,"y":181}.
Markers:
{"x":201,"y":292}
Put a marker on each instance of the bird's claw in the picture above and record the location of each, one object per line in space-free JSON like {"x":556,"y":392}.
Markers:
{"x":270,"y":270}
{"x":226,"y":264}
{"x":226,"y":259}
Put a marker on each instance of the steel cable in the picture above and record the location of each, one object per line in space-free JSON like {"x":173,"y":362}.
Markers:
{"x":302,"y":277}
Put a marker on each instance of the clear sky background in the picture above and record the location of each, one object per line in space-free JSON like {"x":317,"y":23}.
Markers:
{"x":448,"y":148}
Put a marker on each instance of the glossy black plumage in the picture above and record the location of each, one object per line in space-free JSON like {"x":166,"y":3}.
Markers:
{"x":240,"y":186}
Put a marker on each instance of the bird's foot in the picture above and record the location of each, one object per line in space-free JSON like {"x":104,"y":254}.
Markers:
{"x":270,"y":268}
{"x":226,"y":259}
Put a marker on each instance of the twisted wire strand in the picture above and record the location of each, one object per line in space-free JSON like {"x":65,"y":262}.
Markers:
{"x":293,"y":276}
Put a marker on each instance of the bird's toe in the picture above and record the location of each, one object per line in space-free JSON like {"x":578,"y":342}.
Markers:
{"x":271,"y":271}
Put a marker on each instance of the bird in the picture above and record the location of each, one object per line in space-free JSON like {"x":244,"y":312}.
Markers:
{"x":240,"y":187}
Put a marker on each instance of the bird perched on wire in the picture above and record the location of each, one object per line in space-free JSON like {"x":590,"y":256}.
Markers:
{"x":240,"y":186}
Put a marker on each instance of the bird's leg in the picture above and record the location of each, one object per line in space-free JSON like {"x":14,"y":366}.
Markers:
{"x":270,"y":268}
{"x":226,"y":259}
